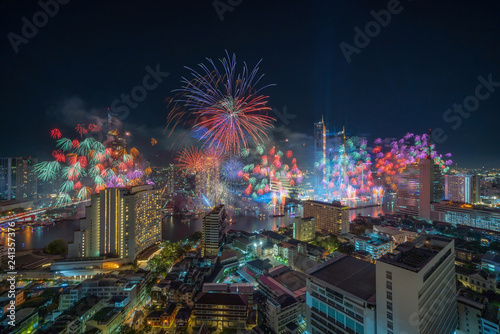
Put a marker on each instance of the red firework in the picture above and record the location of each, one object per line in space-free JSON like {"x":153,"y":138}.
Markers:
{"x":56,"y":134}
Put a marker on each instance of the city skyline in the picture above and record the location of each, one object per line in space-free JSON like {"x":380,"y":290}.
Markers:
{"x":231,"y":166}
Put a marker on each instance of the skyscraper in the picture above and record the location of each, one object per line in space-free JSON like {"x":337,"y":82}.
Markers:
{"x":462,"y":188}
{"x":17,"y":179}
{"x":120,"y":221}
{"x":421,"y":184}
{"x":329,"y":217}
{"x":320,"y":134}
{"x":214,"y":231}
{"x":416,"y":288}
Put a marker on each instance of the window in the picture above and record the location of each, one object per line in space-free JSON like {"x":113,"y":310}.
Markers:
{"x":389,"y":325}
{"x":389,"y":295}
{"x":389,"y":285}
{"x":388,"y":274}
{"x":389,"y":306}
{"x":389,"y":315}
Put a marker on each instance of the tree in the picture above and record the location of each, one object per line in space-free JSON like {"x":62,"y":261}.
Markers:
{"x":195,"y":237}
{"x":57,"y":247}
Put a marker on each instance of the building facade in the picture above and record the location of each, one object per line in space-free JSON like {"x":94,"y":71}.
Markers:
{"x":467,"y":215}
{"x":416,"y":288}
{"x":119,"y":221}
{"x":17,"y":179}
{"x":421,"y":183}
{"x":329,"y":217}
{"x":213,"y":231}
{"x":341,"y":297}
{"x":462,"y":188}
{"x":304,"y":229}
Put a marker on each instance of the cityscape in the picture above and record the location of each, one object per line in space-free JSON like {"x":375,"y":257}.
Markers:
{"x":250,"y":167}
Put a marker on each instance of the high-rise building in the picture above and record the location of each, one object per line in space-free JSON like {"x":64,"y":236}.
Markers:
{"x":341,"y":297}
{"x":120,"y":221}
{"x":421,"y":184}
{"x":207,"y":185}
{"x":169,"y":187}
{"x":214,"y":231}
{"x":320,"y":134}
{"x":416,"y":288}
{"x":17,"y":179}
{"x":462,"y":188}
{"x":329,"y":217}
{"x":304,"y":229}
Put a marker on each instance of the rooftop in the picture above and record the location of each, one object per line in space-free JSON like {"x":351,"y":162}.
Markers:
{"x":413,"y":259}
{"x":349,"y":274}
{"x":292,"y":280}
{"x":259,"y":264}
{"x":334,"y":204}
{"x":221,"y":299}
{"x":285,"y":300}
{"x":274,"y":235}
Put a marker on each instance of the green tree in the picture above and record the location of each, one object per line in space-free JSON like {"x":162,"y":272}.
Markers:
{"x":57,"y":247}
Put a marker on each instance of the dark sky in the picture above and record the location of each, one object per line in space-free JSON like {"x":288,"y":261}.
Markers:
{"x":426,"y":59}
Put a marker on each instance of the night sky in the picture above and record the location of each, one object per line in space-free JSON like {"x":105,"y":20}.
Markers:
{"x":427,"y":59}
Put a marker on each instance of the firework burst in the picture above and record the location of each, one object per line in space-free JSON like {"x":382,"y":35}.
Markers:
{"x":87,"y":166}
{"x":224,"y":109}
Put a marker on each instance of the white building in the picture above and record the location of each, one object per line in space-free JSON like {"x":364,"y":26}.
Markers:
{"x":341,"y":297}
{"x":416,"y":288}
{"x":282,"y":311}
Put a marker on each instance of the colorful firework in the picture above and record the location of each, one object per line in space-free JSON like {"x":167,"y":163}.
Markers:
{"x":224,"y":109}
{"x":270,"y":173}
{"x":87,"y":166}
{"x":392,"y":159}
{"x":348,"y":173}
{"x":230,"y":169}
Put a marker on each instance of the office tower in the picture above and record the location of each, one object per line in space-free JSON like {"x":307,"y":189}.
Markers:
{"x":462,"y":188}
{"x":214,"y":231}
{"x":329,"y":217}
{"x":169,"y":187}
{"x":207,"y":184}
{"x":416,"y":288}
{"x":119,"y":221}
{"x":421,"y":184}
{"x":320,"y":134}
{"x":304,"y":229}
{"x":341,"y":297}
{"x":117,"y":138}
{"x":17,"y":179}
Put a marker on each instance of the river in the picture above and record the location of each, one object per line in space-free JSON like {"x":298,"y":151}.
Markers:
{"x":173,"y":228}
